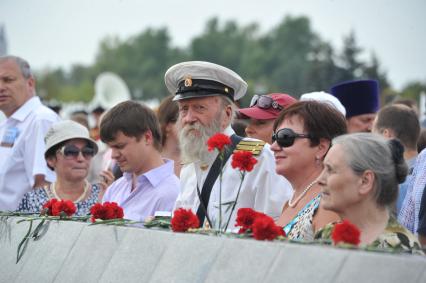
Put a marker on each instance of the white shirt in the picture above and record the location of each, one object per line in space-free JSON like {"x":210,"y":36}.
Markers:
{"x":22,"y":151}
{"x":262,"y":189}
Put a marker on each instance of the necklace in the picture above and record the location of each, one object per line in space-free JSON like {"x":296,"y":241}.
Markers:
{"x":80,"y":198}
{"x":292,"y":203}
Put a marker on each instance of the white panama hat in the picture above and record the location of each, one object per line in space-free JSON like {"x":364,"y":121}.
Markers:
{"x":67,"y":130}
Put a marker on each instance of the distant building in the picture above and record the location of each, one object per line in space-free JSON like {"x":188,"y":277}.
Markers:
{"x":3,"y":42}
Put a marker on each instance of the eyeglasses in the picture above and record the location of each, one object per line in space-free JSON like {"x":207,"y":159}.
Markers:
{"x":71,"y":151}
{"x":264,"y":102}
{"x":285,"y":137}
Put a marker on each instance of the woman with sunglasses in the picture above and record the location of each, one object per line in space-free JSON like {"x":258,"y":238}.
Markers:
{"x":69,"y":151}
{"x":263,"y":111}
{"x":301,"y":139}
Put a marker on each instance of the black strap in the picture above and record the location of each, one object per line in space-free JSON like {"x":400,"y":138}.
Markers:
{"x":204,"y":197}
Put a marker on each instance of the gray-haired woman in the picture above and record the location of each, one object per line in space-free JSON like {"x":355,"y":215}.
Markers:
{"x":360,"y":183}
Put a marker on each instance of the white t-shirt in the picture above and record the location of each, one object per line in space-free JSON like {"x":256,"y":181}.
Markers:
{"x":262,"y":190}
{"x":22,"y":151}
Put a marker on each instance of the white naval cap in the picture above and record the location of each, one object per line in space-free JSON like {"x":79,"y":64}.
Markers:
{"x":201,"y":79}
{"x":322,"y":96}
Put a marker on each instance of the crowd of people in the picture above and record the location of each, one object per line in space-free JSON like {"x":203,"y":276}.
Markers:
{"x":320,"y":160}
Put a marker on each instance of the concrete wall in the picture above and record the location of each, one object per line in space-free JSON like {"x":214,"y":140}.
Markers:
{"x":76,"y":252}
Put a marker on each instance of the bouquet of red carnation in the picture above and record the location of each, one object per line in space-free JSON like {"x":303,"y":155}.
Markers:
{"x":262,"y":226}
{"x":61,"y":208}
{"x":184,"y":219}
{"x":346,"y":232}
{"x":106,"y":211}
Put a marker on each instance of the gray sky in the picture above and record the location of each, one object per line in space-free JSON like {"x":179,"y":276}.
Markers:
{"x":53,"y":33}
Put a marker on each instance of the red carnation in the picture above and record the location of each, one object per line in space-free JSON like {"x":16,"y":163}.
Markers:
{"x":184,"y":219}
{"x":346,"y":232}
{"x":218,"y":141}
{"x":97,"y":211}
{"x":264,"y":228}
{"x":113,"y":211}
{"x":47,"y":207}
{"x":245,"y":218}
{"x":66,"y":207}
{"x":107,"y":210}
{"x":243,"y":160}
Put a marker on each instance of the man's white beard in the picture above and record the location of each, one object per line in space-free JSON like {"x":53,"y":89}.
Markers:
{"x":194,"y":146}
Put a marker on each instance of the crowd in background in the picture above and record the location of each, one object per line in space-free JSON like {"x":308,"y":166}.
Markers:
{"x":325,"y":158}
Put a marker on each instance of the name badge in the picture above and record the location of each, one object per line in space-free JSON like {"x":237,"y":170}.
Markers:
{"x":9,"y":137}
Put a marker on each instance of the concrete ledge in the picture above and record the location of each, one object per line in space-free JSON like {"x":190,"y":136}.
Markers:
{"x":76,"y":252}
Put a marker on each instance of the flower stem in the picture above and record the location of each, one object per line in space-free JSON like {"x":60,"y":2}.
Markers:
{"x":220,"y":191}
{"x":236,"y":199}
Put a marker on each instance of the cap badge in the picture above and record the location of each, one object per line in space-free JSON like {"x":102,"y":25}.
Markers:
{"x":188,"y":82}
{"x":226,"y":90}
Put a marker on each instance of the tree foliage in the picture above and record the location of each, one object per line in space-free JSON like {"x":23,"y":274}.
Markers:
{"x":290,"y":58}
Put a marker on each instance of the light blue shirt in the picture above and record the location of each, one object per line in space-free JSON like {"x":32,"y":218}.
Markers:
{"x":404,"y":186}
{"x":409,"y":213}
{"x":156,"y":190}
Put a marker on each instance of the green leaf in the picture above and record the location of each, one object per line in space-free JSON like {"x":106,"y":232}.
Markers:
{"x":24,"y":242}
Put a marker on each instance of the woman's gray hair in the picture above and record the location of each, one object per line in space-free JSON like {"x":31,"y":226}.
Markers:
{"x":366,"y":151}
{"x":23,"y":65}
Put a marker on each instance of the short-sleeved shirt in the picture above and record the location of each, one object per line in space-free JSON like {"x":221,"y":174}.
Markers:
{"x":22,"y":151}
{"x":155,"y":190}
{"x":33,"y":201}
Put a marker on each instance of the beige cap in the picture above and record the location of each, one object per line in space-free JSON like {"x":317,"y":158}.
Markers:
{"x":67,"y":130}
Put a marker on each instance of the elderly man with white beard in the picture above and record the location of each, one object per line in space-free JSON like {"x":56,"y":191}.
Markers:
{"x":206,"y":93}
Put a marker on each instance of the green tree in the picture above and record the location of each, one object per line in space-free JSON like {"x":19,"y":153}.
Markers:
{"x":351,"y":65}
{"x":141,"y":60}
{"x":286,"y":52}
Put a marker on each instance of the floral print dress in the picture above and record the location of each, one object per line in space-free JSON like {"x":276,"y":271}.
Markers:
{"x":33,"y":201}
{"x":395,"y":238}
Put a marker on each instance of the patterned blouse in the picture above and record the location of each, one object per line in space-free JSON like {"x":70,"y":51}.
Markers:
{"x":395,"y":238}
{"x":33,"y":201}
{"x":300,"y":228}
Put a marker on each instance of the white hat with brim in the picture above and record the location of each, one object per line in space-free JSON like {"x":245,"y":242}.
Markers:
{"x":195,"y":79}
{"x":67,"y":130}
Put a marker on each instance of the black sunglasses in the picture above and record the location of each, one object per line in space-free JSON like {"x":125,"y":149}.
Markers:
{"x":71,"y":151}
{"x":264,"y":102}
{"x":285,"y":137}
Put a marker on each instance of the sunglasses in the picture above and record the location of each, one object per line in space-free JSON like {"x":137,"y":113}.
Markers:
{"x":285,"y":137}
{"x":264,"y":102}
{"x":71,"y":151}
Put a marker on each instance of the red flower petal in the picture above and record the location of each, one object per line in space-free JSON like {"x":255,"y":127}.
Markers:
{"x":245,"y":218}
{"x":218,"y":141}
{"x":264,"y":228}
{"x":346,"y":232}
{"x":243,"y":160}
{"x":183,"y":219}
